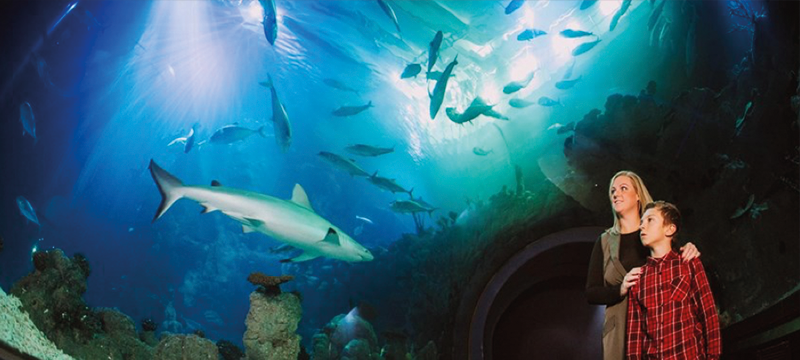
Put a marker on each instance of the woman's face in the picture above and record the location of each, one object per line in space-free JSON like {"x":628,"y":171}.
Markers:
{"x":623,"y":196}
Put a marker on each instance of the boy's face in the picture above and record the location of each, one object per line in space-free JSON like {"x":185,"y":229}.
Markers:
{"x":653,"y":229}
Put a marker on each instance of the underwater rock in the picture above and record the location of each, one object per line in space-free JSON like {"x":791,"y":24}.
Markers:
{"x":428,"y":352}
{"x":179,"y":347}
{"x":149,"y":338}
{"x":272,"y":326}
{"x":322,"y":348}
{"x":116,"y":323}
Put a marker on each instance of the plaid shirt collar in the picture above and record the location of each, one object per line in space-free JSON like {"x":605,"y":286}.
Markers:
{"x":671,"y":255}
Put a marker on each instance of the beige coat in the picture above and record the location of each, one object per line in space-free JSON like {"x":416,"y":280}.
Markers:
{"x":616,"y":315}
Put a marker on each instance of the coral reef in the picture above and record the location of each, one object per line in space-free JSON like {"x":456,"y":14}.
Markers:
{"x":268,"y":284}
{"x":229,"y":351}
{"x":271,"y":326}
{"x":17,"y":330}
{"x":179,"y":347}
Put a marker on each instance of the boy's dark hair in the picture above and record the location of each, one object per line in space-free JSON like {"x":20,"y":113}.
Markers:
{"x":670,"y":213}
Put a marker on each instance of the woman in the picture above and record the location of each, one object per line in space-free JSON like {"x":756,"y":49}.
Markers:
{"x":617,"y":257}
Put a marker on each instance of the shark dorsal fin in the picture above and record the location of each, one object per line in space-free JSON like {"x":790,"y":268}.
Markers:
{"x":332,"y":237}
{"x":215,"y":183}
{"x":300,"y":198}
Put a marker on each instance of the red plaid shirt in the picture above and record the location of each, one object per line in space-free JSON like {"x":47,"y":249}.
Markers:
{"x":671,"y":313}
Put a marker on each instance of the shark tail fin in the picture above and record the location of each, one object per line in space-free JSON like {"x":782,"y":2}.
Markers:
{"x":168,"y":186}
{"x":268,"y":83}
{"x":261,"y":131}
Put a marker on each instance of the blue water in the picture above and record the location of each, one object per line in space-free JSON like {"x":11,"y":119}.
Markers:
{"x":125,"y":78}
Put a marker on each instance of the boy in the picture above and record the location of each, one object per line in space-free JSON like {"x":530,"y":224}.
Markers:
{"x":671,"y":313}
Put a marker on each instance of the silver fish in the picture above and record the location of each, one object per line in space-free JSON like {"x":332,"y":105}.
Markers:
{"x":520,"y":103}
{"x":270,"y":20}
{"x":480,"y":152}
{"x":433,"y":49}
{"x":389,"y":12}
{"x":367,"y":150}
{"x":515,"y":86}
{"x":336,"y":84}
{"x":569,"y":33}
{"x":280,"y":120}
{"x":530,"y":34}
{"x":351,"y":110}
{"x":412,"y":70}
{"x":230,"y":134}
{"x":568,"y":84}
{"x":28,"y":120}
{"x":615,"y":20}
{"x":583,"y":48}
{"x":343,"y":164}
{"x":513,"y":6}
{"x":26,"y":209}
{"x":437,"y":97}
{"x":386,"y":184}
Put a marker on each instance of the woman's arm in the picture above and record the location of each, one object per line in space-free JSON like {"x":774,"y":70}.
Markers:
{"x":597,"y":292}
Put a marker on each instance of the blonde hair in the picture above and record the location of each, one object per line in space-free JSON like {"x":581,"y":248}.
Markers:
{"x":641,"y":190}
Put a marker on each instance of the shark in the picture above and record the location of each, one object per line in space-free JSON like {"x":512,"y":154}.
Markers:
{"x":293,"y":222}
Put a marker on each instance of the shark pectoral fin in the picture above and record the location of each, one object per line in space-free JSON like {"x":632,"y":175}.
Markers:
{"x":332,"y":237}
{"x":299,"y":197}
{"x":251,"y":224}
{"x":302,"y":257}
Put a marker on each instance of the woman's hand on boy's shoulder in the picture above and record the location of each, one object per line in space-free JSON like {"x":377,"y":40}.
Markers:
{"x":689,"y":252}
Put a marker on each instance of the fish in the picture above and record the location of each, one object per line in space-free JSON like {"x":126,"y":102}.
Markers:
{"x":561,"y":129}
{"x":28,"y":120}
{"x":651,"y":23}
{"x":569,"y":33}
{"x":494,"y":114}
{"x":520,"y":103}
{"x":408,"y":207}
{"x":585,"y":4}
{"x":411,"y":70}
{"x":433,"y":49}
{"x":568,"y":73}
{"x":366,"y":220}
{"x":530,"y":34}
{"x":582,"y":48}
{"x":367,"y":150}
{"x":740,"y":120}
{"x":187,"y":141}
{"x":387,"y":184}
{"x":435,"y":75}
{"x":270,"y":20}
{"x":568,"y":84}
{"x":742,"y":210}
{"x":691,"y":37}
{"x":477,"y":107}
{"x":513,"y":6}
{"x":626,"y":4}
{"x":351,"y":110}
{"x":480,"y":152}
{"x":358,"y":230}
{"x":389,"y":12}
{"x":26,"y":209}
{"x":280,"y":120}
{"x":515,"y":86}
{"x":336,"y":84}
{"x":342,"y":163}
{"x":230,"y":134}
{"x":437,"y":97}
{"x":663,"y":34}
{"x":546,"y":101}
{"x":293,"y":222}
